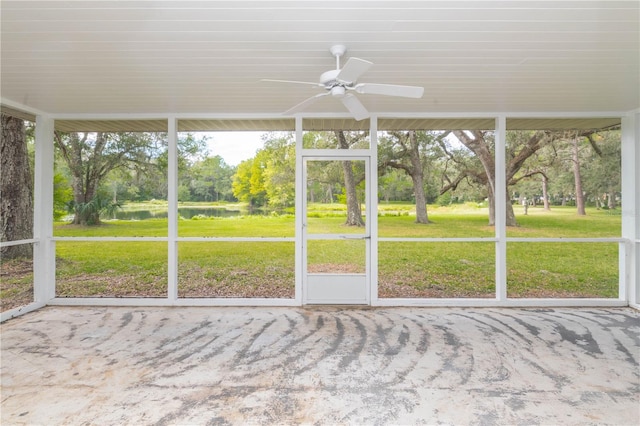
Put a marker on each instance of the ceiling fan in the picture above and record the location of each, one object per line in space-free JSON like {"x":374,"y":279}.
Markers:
{"x":340,"y":82}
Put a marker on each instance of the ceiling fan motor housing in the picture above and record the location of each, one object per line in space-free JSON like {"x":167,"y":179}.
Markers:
{"x":329,"y":80}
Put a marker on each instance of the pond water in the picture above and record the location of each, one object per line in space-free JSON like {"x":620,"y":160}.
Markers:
{"x":187,"y":213}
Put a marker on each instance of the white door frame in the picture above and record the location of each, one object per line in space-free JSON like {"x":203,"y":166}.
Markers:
{"x":336,"y":288}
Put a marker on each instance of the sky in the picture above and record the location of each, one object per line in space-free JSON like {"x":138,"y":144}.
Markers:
{"x":234,"y":147}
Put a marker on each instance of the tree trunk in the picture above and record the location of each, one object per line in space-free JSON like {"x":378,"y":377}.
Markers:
{"x":545,"y":192}
{"x":492,"y":206}
{"x":578,"y":179}
{"x":421,"y":202}
{"x":85,"y":175}
{"x":611,"y":199}
{"x":417,"y":177}
{"x":510,"y":215}
{"x":354,"y":214}
{"x":481,"y":149}
{"x":16,"y":189}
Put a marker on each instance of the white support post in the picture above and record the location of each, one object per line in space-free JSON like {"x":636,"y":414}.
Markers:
{"x":372,"y":215}
{"x":172,"y":214}
{"x":299,"y":182}
{"x":44,"y":252}
{"x":500,"y":208}
{"x":630,"y":171}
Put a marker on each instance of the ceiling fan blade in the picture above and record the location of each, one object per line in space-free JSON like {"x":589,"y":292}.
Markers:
{"x":308,"y":83}
{"x":353,"y":69}
{"x":390,"y":90}
{"x":304,"y":104}
{"x":355,"y":107}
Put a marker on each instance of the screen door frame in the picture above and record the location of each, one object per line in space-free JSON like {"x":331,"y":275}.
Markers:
{"x":339,"y":287}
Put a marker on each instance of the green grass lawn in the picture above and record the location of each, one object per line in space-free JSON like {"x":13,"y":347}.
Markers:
{"x":266,"y":269}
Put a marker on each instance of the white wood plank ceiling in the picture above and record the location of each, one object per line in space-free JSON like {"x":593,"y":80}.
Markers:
{"x":208,"y":57}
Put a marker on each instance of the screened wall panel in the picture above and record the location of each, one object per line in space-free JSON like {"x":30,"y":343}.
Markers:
{"x":562,"y":270}
{"x":436,"y":270}
{"x":236,"y":270}
{"x":111,"y":269}
{"x":16,"y":281}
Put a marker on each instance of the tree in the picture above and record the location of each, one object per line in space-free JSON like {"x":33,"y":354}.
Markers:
{"x":394,"y":185}
{"x":248,"y":183}
{"x":601,"y":168}
{"x":407,"y":151}
{"x":354,"y":214}
{"x":587,"y":167}
{"x":279,"y":173}
{"x":91,"y":157}
{"x":16,"y":189}
{"x":325,"y":181}
{"x":532,"y":179}
{"x":211,"y":179}
{"x":575,"y":158}
{"x":482,"y":145}
{"x":62,"y":196}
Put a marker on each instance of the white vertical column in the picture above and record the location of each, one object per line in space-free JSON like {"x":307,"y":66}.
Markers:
{"x":629,"y":289}
{"x":299,"y":182}
{"x":500,"y":200}
{"x":172,"y":216}
{"x":372,"y":212}
{"x":44,"y":267}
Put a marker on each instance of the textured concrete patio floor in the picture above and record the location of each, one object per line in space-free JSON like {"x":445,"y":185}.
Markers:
{"x":116,"y":366}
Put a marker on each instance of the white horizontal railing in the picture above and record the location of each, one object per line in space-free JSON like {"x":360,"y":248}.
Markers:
{"x":179,"y":239}
{"x":566,"y":240}
{"x":259,"y":239}
{"x":160,"y":239}
{"x":19,"y":242}
{"x":439,"y":239}
{"x":507,"y":239}
{"x":239,"y":239}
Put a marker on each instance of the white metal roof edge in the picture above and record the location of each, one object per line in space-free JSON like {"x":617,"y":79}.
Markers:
{"x":268,"y":116}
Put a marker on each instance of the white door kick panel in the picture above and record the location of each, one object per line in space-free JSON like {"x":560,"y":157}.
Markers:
{"x":336,"y":288}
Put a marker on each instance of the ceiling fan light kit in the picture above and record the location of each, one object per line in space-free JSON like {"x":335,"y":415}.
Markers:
{"x":340,"y":81}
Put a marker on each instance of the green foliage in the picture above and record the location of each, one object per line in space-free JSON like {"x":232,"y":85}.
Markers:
{"x":183,"y":193}
{"x":394,"y":185}
{"x":257,"y":187}
{"x":62,"y":196}
{"x":89,"y":213}
{"x":445,"y":199}
{"x":599,"y":157}
{"x":279,"y":173}
{"x":247,"y":187}
{"x":269,"y":177}
{"x":210,"y":180}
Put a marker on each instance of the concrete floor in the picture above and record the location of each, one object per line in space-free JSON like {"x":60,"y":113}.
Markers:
{"x":324,"y":365}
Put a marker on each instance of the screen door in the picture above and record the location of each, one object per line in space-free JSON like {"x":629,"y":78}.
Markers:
{"x":336,"y":232}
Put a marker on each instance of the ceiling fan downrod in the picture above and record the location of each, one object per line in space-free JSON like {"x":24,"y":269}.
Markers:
{"x":338,"y":50}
